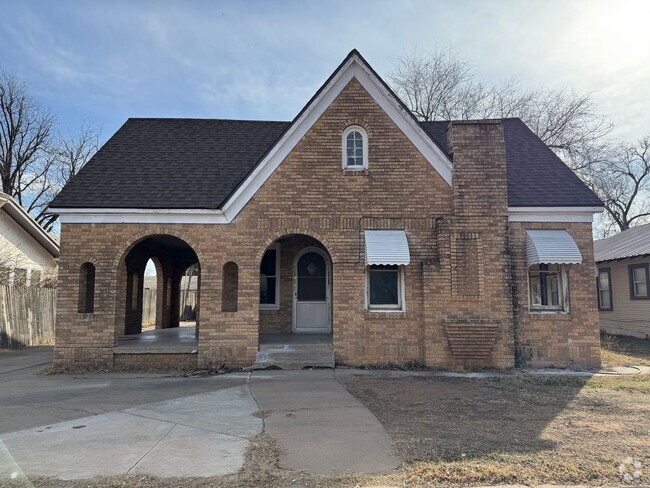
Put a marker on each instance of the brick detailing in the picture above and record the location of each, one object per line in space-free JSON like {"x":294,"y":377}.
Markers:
{"x":467,"y":266}
{"x":230,"y":287}
{"x":471,"y":340}
{"x":469,"y":282}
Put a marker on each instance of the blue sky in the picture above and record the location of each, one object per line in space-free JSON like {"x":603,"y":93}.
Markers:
{"x":102,"y":62}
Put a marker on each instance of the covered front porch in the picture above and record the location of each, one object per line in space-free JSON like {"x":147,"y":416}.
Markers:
{"x":176,"y":340}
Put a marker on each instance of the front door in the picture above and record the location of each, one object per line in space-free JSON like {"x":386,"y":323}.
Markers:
{"x":311,"y":278}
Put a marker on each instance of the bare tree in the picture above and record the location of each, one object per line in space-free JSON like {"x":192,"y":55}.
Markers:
{"x":34,"y":162}
{"x":25,"y":132}
{"x":68,"y":154}
{"x":442,"y":86}
{"x":621,"y":178}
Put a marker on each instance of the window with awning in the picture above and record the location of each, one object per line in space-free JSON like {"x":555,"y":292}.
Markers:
{"x":548,"y":252}
{"x":551,"y":247}
{"x":387,"y":247}
{"x":387,"y":252}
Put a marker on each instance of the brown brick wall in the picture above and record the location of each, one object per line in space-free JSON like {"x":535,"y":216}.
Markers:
{"x":558,"y":339}
{"x":459,"y":274}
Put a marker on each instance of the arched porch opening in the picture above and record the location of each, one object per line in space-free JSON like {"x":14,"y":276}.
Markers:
{"x":295,"y":299}
{"x":158,"y":289}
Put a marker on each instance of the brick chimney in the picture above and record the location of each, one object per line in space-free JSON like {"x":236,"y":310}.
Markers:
{"x":479,"y":181}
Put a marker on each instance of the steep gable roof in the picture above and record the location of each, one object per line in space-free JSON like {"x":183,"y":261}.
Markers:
{"x":220,"y":164}
{"x":171,"y":163}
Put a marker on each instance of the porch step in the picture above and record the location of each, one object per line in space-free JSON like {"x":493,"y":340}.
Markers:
{"x":295,"y":356}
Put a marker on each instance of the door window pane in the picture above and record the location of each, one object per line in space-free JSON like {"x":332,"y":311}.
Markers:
{"x":312,"y":277}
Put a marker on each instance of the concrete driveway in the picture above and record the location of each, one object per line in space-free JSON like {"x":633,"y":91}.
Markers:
{"x":79,"y":426}
{"x":71,"y":426}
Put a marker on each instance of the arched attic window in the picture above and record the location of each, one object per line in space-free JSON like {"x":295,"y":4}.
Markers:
{"x":86,"y":288}
{"x":230,"y":287}
{"x":355,"y":148}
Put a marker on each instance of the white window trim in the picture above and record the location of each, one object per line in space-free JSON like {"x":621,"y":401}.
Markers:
{"x":401,"y":283}
{"x":564,"y":276}
{"x":276,"y":305}
{"x":344,"y":148}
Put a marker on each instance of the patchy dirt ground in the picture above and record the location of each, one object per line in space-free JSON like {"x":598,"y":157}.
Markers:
{"x":514,"y":430}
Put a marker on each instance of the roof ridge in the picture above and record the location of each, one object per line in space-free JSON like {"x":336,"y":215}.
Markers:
{"x":204,"y":119}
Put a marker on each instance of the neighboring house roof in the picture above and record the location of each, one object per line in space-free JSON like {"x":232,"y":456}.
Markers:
{"x":19,"y":215}
{"x":201,"y":163}
{"x":627,"y":244}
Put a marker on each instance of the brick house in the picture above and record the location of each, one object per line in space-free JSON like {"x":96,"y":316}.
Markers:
{"x":354,"y":227}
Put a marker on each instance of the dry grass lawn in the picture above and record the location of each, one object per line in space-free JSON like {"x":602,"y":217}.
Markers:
{"x":513,"y":430}
{"x":624,"y":351}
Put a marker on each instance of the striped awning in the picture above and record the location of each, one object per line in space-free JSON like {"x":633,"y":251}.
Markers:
{"x":387,"y":247}
{"x":551,"y":247}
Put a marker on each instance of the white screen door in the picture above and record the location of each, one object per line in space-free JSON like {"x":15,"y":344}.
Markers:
{"x":311,"y":310}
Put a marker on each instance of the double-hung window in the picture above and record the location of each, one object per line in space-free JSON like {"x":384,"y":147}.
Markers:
{"x":639,"y":281}
{"x":385,"y":287}
{"x":546,"y":287}
{"x":270,"y":279}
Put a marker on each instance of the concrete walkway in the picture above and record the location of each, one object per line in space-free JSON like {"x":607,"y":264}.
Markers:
{"x":321,"y":428}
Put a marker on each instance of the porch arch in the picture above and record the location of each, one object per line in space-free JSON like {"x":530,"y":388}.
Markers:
{"x":282,"y":316}
{"x":172,"y":256}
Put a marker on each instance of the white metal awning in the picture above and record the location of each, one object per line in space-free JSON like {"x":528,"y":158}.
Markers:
{"x":551,"y":247}
{"x":387,"y":247}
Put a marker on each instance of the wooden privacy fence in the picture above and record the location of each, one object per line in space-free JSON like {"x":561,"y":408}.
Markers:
{"x":27,"y":316}
{"x":187,"y":308}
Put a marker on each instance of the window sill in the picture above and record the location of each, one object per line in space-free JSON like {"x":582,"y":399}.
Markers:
{"x":548,"y":312}
{"x":356,"y":172}
{"x":639,"y":298}
{"x":270,"y":308}
{"x":560,"y":315}
{"x":386,"y":314}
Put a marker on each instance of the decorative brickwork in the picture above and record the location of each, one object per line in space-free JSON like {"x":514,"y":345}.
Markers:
{"x":471,"y":339}
{"x":458,"y":236}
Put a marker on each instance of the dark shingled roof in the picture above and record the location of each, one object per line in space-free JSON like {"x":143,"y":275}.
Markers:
{"x":199,"y":163}
{"x":536,"y":176}
{"x":170,"y":163}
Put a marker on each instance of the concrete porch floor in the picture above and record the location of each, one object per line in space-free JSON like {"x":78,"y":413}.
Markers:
{"x":173,"y":340}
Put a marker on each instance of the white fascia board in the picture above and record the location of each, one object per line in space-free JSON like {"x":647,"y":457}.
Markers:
{"x":27,"y":222}
{"x":139,"y":216}
{"x":553,"y":214}
{"x":354,"y":68}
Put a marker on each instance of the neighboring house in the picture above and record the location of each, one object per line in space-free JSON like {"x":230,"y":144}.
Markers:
{"x":624,"y":282}
{"x":28,"y":254}
{"x":462,"y":244}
